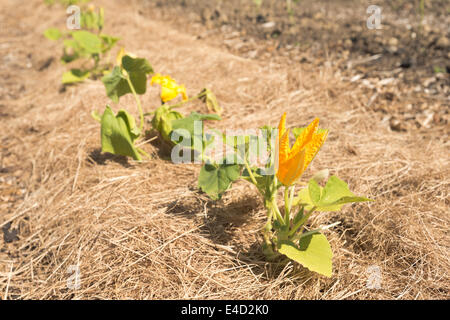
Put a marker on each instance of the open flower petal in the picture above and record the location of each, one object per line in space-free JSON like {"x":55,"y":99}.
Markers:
{"x":305,"y":137}
{"x":292,"y":169}
{"x":169,"y":88}
{"x":293,"y":162}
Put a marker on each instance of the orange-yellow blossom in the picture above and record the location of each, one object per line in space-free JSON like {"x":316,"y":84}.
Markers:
{"x":169,"y":88}
{"x":293,"y":162}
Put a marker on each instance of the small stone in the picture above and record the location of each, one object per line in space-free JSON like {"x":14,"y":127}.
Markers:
{"x":393,"y":42}
{"x":443,"y":42}
{"x":268,"y":25}
{"x":348,"y":43}
{"x":426,"y":83}
{"x":426,"y":28}
{"x":396,"y":125}
{"x":345,"y":54}
{"x":318,"y":16}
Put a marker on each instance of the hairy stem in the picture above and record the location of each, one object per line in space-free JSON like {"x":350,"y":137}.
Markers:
{"x":301,"y":223}
{"x":141,"y":113}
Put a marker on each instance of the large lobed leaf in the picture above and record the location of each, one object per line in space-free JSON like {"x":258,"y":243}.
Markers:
{"x":118,"y":133}
{"x":313,"y":252}
{"x":90,"y":42}
{"x":329,"y":198}
{"x":162,"y":121}
{"x":53,"y":34}
{"x":214,"y":180}
{"x":116,"y":83}
{"x":75,"y":76}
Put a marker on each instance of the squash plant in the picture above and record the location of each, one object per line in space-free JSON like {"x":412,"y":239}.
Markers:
{"x":88,"y":46}
{"x":285,"y":233}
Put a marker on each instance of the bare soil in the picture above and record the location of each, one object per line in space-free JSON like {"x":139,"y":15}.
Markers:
{"x":399,"y":66}
{"x":144,"y":231}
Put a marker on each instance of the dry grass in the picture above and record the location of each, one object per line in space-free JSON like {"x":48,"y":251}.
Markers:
{"x":144,"y":231}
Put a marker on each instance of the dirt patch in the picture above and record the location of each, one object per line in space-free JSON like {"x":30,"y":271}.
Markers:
{"x":400,"y":67}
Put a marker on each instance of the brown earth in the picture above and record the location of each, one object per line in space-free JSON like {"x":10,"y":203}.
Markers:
{"x":403,"y":68}
{"x":145,"y":231}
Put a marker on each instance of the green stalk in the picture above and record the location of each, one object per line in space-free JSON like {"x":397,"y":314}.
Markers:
{"x":181,"y":103}
{"x":141,"y":113}
{"x":286,"y":206}
{"x":301,"y":223}
{"x":277,"y":212}
{"x":291,"y":197}
{"x":288,"y":198}
{"x":249,"y":170}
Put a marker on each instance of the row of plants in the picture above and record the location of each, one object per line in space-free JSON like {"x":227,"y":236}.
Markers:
{"x":262,"y":157}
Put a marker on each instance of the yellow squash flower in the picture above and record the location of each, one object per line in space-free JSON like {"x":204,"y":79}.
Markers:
{"x":293,"y":162}
{"x":169,"y":88}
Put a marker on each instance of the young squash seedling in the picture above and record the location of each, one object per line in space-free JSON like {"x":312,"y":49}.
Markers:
{"x":89,"y":46}
{"x":166,"y":119}
{"x":119,"y":133}
{"x":285,"y":233}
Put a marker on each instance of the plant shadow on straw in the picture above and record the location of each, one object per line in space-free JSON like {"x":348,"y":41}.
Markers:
{"x":221,"y":221}
{"x":98,"y":157}
{"x":163,"y":149}
{"x":224,"y":224}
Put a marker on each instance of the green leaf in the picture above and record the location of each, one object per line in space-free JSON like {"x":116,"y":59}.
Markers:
{"x":72,"y":51}
{"x":304,"y":199}
{"x":329,"y":198}
{"x":96,"y":116}
{"x":75,"y":76}
{"x":214,"y":180}
{"x":315,"y":191}
{"x":101,"y":18}
{"x":89,"y":20}
{"x":118,"y":133}
{"x":108,"y":42}
{"x":116,"y":84}
{"x":90,"y":42}
{"x":257,"y":3}
{"x":211,"y":101}
{"x":53,"y":34}
{"x":263,"y":181}
{"x":313,"y":252}
{"x":162,"y":121}
{"x":299,"y":217}
{"x":138,"y":69}
{"x":187,"y":123}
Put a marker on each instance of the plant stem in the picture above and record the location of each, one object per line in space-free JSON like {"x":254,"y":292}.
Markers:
{"x":288,"y":198}
{"x":286,"y":205}
{"x":179,"y":104}
{"x":141,"y":113}
{"x":277,"y":212}
{"x":301,"y":223}
{"x":250,"y":173}
{"x":291,"y":197}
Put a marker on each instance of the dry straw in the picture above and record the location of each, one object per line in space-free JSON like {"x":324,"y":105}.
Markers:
{"x":144,"y":231}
